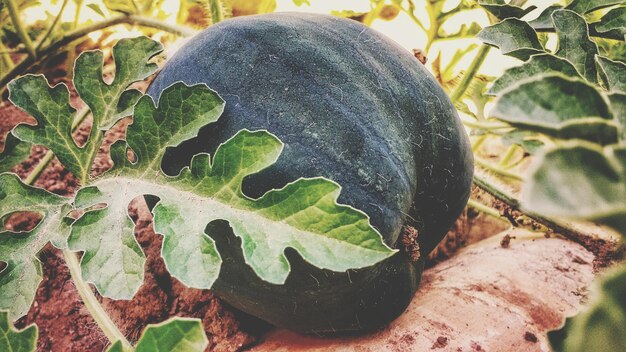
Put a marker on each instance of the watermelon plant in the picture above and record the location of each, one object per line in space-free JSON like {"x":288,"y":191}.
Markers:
{"x":257,"y":197}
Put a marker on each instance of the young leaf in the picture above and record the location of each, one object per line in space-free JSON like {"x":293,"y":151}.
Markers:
{"x":502,"y":10}
{"x":574,"y":43}
{"x":21,"y":276}
{"x":514,"y":38}
{"x":50,"y":107}
{"x":14,"y":152}
{"x":602,"y":326}
{"x":613,"y":21}
{"x":538,"y":64}
{"x":560,"y":106}
{"x":303,"y":215}
{"x":580,"y":181}
{"x":585,"y":6}
{"x":12,"y":340}
{"x":111,"y":102}
{"x":612,"y":74}
{"x":174,"y":335}
{"x":54,"y":115}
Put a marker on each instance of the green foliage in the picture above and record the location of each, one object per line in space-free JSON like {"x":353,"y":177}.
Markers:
{"x":574,"y":179}
{"x":23,"y":273}
{"x":561,"y":106}
{"x":16,"y":340}
{"x":174,"y":335}
{"x":501,"y":9}
{"x":14,"y":152}
{"x":514,"y":37}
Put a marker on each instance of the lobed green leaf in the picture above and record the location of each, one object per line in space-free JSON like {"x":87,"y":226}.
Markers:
{"x":585,"y":6}
{"x":174,"y":335}
{"x":544,"y":20}
{"x":613,"y":22}
{"x":582,"y":181}
{"x":13,"y":340}
{"x":574,"y":43}
{"x":538,"y":64}
{"x":502,"y":10}
{"x":111,"y":102}
{"x":21,"y":276}
{"x":14,"y":152}
{"x":602,"y":326}
{"x":303,"y":215}
{"x":565,"y":107}
{"x":612,"y":74}
{"x":514,"y":37}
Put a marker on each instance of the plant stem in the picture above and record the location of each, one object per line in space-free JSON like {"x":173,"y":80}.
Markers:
{"x":19,"y":27}
{"x":6,"y":57}
{"x":485,"y":125}
{"x":217,"y":11}
{"x":471,"y":72}
{"x":103,"y":320}
{"x":509,"y":199}
{"x":52,"y":26}
{"x":510,"y":153}
{"x":486,"y":209}
{"x":80,"y":32}
{"x":496,"y":169}
{"x":92,"y":304}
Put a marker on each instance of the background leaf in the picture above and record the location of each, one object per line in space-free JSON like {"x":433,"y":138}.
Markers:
{"x":502,"y":10}
{"x":559,"y":106}
{"x":586,"y":6}
{"x":574,"y":43}
{"x":602,"y":327}
{"x":614,"y":21}
{"x":514,"y":38}
{"x":13,"y":340}
{"x":580,"y":181}
{"x":538,"y":64}
{"x":612,"y":74}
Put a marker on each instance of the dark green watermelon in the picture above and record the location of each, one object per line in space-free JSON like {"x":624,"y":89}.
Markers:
{"x":350,"y":105}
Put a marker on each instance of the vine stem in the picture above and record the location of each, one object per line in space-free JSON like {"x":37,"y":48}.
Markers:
{"x":89,"y":299}
{"x":80,"y":32}
{"x":471,"y":72}
{"x":508,"y":155}
{"x":509,"y":199}
{"x":19,"y":27}
{"x":94,"y":307}
{"x":52,"y":26}
{"x":497,"y":169}
{"x":486,"y":209}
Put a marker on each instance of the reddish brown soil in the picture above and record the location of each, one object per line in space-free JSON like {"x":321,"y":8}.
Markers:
{"x":64,"y":323}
